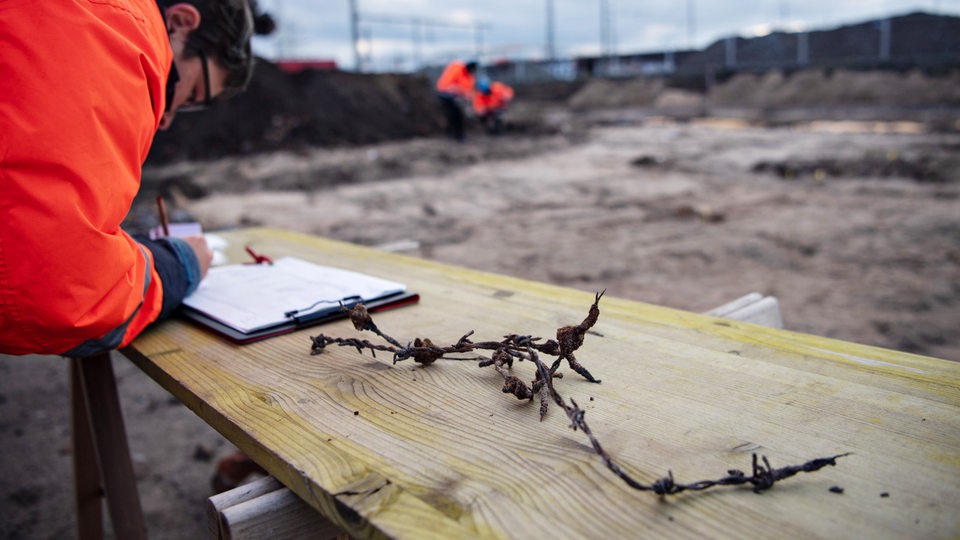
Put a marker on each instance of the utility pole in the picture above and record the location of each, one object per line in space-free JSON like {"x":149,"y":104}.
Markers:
{"x":604,"y":27}
{"x":885,"y":31}
{"x":281,"y":35}
{"x":550,"y":51}
{"x":355,"y":35}
{"x":803,"y":48}
{"x":691,"y":24}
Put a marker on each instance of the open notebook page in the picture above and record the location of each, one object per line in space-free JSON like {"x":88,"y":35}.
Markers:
{"x":250,"y":297}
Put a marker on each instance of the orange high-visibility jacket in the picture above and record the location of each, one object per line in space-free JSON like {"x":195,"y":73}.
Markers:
{"x":499,"y":97}
{"x":456,"y":80}
{"x":82,"y":92}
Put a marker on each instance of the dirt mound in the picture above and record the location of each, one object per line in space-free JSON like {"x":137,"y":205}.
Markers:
{"x":283,"y":111}
{"x":605,"y":93}
{"x":838,"y":88}
{"x":776,"y":89}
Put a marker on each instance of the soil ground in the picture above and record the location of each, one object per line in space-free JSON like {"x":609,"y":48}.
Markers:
{"x":853,"y":225}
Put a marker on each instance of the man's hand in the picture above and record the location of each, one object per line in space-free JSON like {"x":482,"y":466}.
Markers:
{"x":203,"y":252}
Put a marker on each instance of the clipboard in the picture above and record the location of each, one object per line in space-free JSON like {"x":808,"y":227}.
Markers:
{"x":241,"y":338}
{"x":250,"y":302}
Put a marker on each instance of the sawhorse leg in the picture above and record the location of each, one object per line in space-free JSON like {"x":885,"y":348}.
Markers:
{"x":101,"y":456}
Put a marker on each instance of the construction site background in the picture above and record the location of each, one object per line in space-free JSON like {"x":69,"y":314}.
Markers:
{"x":898,"y":68}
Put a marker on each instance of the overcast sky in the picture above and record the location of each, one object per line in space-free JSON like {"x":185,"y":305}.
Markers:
{"x":399,"y":34}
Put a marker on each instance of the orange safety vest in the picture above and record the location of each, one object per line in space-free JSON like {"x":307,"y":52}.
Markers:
{"x":82,"y":92}
{"x":455,"y":79}
{"x":500,"y":95}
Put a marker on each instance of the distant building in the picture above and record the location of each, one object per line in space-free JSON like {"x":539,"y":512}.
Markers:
{"x":915,"y":40}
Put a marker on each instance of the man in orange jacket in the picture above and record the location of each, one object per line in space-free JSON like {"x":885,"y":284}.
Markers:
{"x":490,"y":102}
{"x":454,"y":89}
{"x":84,"y":85}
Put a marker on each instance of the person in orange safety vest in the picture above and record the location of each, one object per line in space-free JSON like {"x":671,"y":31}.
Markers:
{"x":84,"y":86}
{"x":490,"y":102}
{"x":455,"y":90}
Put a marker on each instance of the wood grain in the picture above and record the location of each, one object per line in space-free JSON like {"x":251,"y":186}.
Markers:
{"x":402,"y":451}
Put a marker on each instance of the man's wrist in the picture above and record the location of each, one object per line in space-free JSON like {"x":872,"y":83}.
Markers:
{"x":187,"y":258}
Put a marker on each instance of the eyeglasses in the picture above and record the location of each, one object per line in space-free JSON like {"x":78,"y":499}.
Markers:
{"x":194,"y":106}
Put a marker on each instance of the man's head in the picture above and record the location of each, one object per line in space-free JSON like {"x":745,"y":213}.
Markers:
{"x":471,"y":67}
{"x":211,"y":49}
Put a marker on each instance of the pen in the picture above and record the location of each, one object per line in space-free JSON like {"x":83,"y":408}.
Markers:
{"x":258,"y":258}
{"x":163,"y":215}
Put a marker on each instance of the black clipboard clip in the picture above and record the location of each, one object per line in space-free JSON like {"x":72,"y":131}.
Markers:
{"x":257,"y":257}
{"x":345,"y":303}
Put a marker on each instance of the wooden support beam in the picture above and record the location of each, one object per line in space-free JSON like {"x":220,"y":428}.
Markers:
{"x":99,"y":411}
{"x":88,"y":493}
{"x":266,"y":509}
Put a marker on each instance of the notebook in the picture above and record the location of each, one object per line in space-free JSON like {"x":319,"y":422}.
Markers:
{"x":250,"y":302}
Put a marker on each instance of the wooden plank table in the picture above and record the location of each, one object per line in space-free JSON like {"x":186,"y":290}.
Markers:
{"x":404,"y":451}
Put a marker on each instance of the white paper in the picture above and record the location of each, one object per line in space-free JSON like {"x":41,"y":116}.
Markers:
{"x":177,"y":230}
{"x":249,"y":297}
{"x":218,"y":245}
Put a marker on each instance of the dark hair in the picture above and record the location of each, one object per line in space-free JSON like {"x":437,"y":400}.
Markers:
{"x":226,"y":27}
{"x":471,"y":66}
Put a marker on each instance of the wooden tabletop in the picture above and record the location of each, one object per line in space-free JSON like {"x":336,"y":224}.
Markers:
{"x":405,"y":451}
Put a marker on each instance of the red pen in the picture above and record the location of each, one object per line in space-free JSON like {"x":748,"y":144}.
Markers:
{"x":257,"y":258}
{"x":163,"y":215}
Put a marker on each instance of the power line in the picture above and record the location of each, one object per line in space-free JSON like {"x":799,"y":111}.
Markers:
{"x":416,"y":24}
